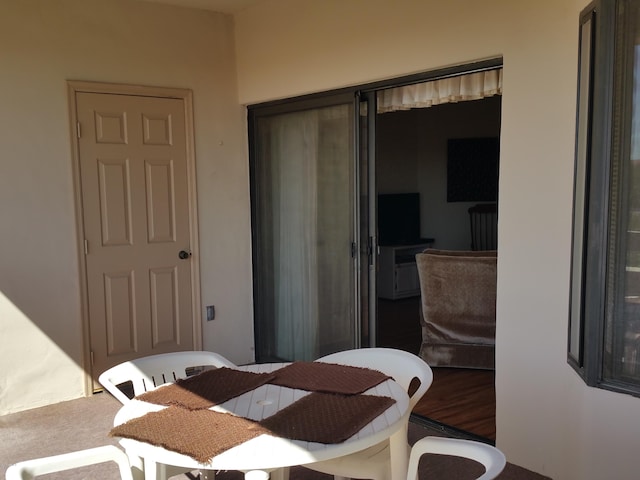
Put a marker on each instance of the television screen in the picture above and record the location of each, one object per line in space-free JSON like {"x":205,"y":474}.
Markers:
{"x":398,"y":218}
{"x":472,"y":169}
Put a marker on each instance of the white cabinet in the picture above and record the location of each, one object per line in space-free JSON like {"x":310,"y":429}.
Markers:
{"x":398,"y":273}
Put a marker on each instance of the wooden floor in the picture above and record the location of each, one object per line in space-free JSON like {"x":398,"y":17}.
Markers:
{"x":462,"y":399}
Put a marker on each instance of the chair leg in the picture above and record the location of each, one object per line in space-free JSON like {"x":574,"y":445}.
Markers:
{"x":399,"y":455}
{"x":280,"y":474}
{"x":137,"y":467}
{"x":151,"y":470}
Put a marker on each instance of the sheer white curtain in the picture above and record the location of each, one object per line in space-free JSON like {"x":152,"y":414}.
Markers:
{"x":305,"y":212}
{"x":472,"y":86}
{"x":293,"y":156}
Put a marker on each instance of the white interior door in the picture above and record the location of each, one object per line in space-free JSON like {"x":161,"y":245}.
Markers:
{"x":136,"y":218}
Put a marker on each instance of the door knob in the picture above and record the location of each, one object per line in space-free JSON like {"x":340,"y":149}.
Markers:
{"x":183,"y":255}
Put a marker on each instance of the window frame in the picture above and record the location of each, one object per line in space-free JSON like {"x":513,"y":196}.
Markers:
{"x":592,"y":245}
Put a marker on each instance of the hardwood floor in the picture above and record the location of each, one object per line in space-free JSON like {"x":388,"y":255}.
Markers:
{"x":462,"y":399}
{"x":399,"y":324}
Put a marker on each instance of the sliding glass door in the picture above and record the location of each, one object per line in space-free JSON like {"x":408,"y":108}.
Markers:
{"x":305,"y":243}
{"x":314,"y":189}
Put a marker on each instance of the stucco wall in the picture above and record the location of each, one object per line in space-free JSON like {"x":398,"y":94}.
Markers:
{"x":547,"y":419}
{"x":44,"y":43}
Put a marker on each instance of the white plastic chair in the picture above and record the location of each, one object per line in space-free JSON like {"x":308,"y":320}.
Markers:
{"x":148,"y":373}
{"x":29,"y":469}
{"x":374,"y":462}
{"x":490,"y":457}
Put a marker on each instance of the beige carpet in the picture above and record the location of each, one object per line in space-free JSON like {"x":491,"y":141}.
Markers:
{"x":84,"y":423}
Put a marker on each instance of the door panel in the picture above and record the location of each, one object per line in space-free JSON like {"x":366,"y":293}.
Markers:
{"x":119,"y":318}
{"x":164,"y":305}
{"x":304,"y":232}
{"x":136,"y":217}
{"x":160,"y":205}
{"x":115,"y":206}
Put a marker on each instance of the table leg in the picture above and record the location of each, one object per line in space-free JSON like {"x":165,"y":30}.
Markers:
{"x":207,"y":474}
{"x":256,"y":475}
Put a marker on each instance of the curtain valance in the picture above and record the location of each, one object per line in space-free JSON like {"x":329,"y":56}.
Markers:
{"x":472,"y":86}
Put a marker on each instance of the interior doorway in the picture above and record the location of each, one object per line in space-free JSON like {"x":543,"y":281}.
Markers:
{"x":399,"y":152}
{"x":415,"y":171}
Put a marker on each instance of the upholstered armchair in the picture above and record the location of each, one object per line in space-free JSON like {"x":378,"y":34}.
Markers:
{"x":458,"y":290}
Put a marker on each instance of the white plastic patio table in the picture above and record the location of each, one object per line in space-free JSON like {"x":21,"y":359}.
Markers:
{"x":265,"y":453}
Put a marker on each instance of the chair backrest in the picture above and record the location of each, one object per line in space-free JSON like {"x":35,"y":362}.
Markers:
{"x":147,"y":373}
{"x":402,"y":366}
{"x":29,"y":469}
{"x":483,"y":220}
{"x":490,"y":457}
{"x":458,"y":285}
{"x":458,"y":295}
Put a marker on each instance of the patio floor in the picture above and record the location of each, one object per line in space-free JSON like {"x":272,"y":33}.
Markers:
{"x":85,"y":423}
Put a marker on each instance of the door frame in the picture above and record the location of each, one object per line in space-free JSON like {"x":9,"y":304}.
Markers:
{"x":366,"y":92}
{"x":255,"y":113}
{"x":186,"y":95}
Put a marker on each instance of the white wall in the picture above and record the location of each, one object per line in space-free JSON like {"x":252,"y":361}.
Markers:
{"x":44,"y":43}
{"x":547,"y":419}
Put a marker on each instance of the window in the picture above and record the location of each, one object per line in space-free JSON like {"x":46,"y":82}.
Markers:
{"x":604,"y":318}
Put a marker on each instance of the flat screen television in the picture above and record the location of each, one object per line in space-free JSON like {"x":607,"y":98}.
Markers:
{"x":398,"y":218}
{"x":472,"y":169}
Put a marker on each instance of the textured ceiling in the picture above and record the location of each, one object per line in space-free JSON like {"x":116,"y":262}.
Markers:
{"x":223,"y":6}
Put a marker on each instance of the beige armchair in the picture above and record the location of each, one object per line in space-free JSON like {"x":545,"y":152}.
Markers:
{"x":458,"y":318}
